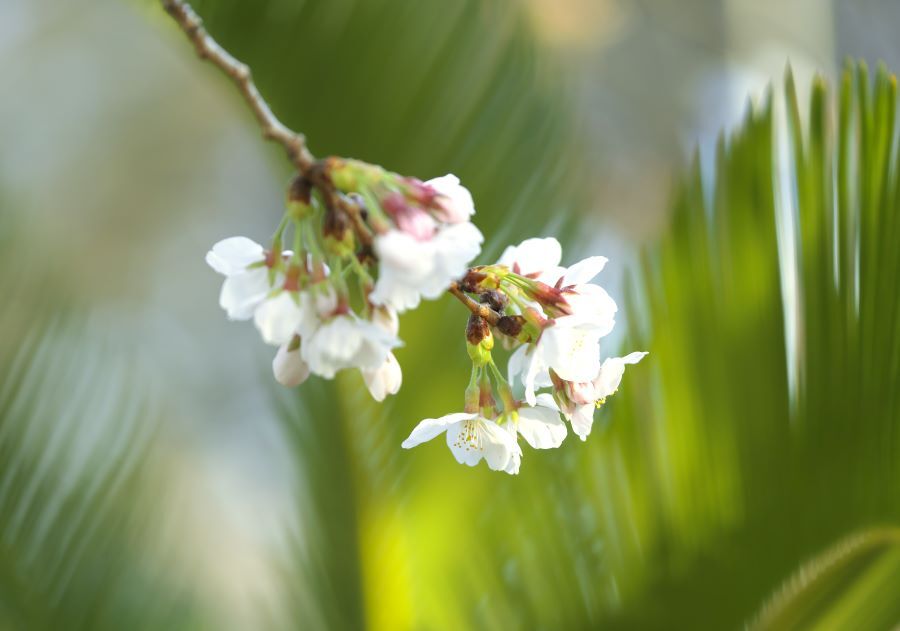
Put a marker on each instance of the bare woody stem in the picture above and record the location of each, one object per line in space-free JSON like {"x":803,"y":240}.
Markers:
{"x":315,"y":171}
{"x":491,"y":316}
{"x":273,"y":129}
{"x":207,"y":48}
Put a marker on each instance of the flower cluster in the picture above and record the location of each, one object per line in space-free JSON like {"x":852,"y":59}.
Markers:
{"x":331,"y":302}
{"x":369,"y":245}
{"x":554,"y":318}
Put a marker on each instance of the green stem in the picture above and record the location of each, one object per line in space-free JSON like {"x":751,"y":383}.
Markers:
{"x":360,"y":270}
{"x":299,"y":253}
{"x":503,"y":387}
{"x":279,"y":232}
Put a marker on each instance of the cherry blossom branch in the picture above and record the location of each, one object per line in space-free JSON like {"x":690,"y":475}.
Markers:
{"x":272,"y":128}
{"x":294,"y":143}
{"x":207,"y":48}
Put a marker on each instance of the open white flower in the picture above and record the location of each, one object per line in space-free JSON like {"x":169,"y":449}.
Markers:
{"x":581,"y":399}
{"x":411,"y":269}
{"x":471,"y":438}
{"x":540,"y":425}
{"x":571,"y":351}
{"x":570,"y":345}
{"x":288,"y":366}
{"x":347,"y":341}
{"x":242,"y":262}
{"x":454,"y":200}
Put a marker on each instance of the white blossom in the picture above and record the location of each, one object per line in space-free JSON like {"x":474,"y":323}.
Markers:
{"x":454,"y":200}
{"x":584,"y":398}
{"x":282,"y":316}
{"x":540,"y":425}
{"x":347,"y":341}
{"x":288,"y":367}
{"x":471,"y":438}
{"x":411,"y":269}
{"x":242,"y":262}
{"x":570,"y":344}
{"x":533,"y":257}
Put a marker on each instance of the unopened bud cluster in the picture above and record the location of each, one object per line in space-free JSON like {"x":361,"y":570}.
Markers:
{"x":348,"y":257}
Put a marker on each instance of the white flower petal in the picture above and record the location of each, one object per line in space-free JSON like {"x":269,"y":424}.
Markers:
{"x":384,"y":380}
{"x":410,"y":269}
{"x":465,"y":442}
{"x":233,"y":255}
{"x":347,"y":341}
{"x":387,"y":319}
{"x":516,"y":363}
{"x":242,"y":293}
{"x":584,"y":271}
{"x":582,"y":420}
{"x":635,"y":357}
{"x":289,"y":368}
{"x":591,"y":306}
{"x":572,"y":352}
{"x":501,"y":452}
{"x":546,"y":400}
{"x":534,"y":367}
{"x":551,"y":275}
{"x":456,"y":245}
{"x":279,"y":318}
{"x":431,"y":427}
{"x":533,"y":255}
{"x":406,"y":255}
{"x":458,"y":204}
{"x":541,"y":426}
{"x":610,"y":374}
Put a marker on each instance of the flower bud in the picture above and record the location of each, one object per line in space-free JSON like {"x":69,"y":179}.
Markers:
{"x":479,"y":340}
{"x":353,"y":175}
{"x":550,"y":298}
{"x":410,"y":219}
{"x":495,"y":300}
{"x":288,"y":367}
{"x":299,"y":197}
{"x":511,"y":325}
{"x":339,"y":238}
{"x":476,"y":281}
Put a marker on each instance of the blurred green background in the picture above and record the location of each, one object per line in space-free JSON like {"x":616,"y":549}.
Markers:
{"x":153,"y":475}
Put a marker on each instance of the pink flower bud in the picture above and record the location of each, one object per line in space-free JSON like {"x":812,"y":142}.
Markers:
{"x":409,"y":219}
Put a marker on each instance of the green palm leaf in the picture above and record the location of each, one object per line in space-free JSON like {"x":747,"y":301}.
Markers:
{"x":77,"y":487}
{"x":760,"y":430}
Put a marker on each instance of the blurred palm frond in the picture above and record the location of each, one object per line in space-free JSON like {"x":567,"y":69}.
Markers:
{"x":77,"y":496}
{"x":760,"y":431}
{"x":766,"y":429}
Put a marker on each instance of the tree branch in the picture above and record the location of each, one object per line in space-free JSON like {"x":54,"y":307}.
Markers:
{"x":207,"y":48}
{"x":477,"y":308}
{"x":273,"y":129}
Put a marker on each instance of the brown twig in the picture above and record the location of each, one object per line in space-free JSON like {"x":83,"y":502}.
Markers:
{"x":207,"y":48}
{"x":273,"y":129}
{"x":477,"y":308}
